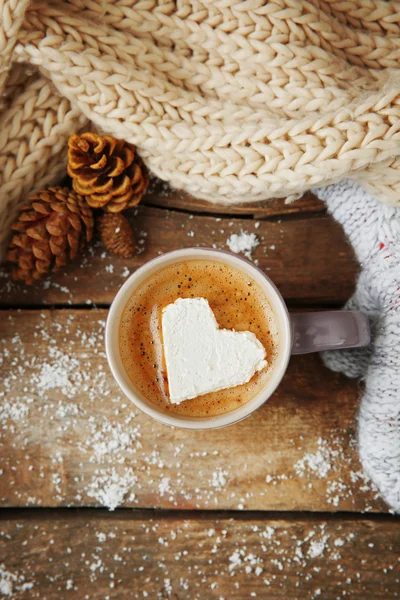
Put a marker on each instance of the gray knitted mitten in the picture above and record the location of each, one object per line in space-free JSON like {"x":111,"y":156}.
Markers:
{"x":374,"y":231}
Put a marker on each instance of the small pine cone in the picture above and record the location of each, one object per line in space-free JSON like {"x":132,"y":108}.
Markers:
{"x":49,"y":230}
{"x":108,"y":172}
{"x":116,"y":234}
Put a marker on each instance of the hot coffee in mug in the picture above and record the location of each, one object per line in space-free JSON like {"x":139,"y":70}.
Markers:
{"x":200,"y":338}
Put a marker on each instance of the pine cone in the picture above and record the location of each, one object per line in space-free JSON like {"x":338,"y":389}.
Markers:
{"x":108,"y":172}
{"x":116,"y":234}
{"x":49,"y":230}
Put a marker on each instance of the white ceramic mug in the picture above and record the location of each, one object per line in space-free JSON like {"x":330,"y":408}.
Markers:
{"x":299,"y":333}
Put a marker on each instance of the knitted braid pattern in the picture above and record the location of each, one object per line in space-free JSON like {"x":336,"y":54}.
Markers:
{"x":374,"y":232}
{"x":232,"y":100}
{"x":35,"y":130}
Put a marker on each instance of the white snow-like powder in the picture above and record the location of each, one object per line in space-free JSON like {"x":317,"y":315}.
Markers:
{"x":317,"y":547}
{"x":15,"y":411}
{"x":319,"y":463}
{"x":63,"y":391}
{"x":113,"y":439}
{"x":110,"y":489}
{"x":218,"y":480}
{"x":243,"y":243}
{"x":329,"y":462}
{"x":58,"y":374}
{"x":6,"y":586}
{"x":163,"y":486}
{"x":59,"y":377}
{"x":246,"y":555}
{"x":69,"y":584}
{"x":12,"y":583}
{"x":235,"y":561}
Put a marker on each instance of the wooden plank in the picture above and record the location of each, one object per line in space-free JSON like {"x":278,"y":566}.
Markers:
{"x":69,"y":437}
{"x":87,"y":554}
{"x":161,"y":195}
{"x":309,"y":259}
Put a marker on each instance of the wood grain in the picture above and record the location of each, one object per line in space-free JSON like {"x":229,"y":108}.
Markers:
{"x":70,"y":437}
{"x":309,"y":259}
{"x":77,"y":555}
{"x":163,"y":196}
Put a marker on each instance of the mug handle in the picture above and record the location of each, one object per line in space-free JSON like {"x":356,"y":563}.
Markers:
{"x":329,"y":330}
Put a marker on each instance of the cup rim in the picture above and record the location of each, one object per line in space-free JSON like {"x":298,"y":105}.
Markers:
{"x":198,"y":423}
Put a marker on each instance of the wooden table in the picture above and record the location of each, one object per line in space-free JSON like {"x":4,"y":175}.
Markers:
{"x":274,"y":507}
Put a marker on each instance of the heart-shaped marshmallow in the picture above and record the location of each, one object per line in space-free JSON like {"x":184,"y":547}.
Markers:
{"x":202,"y":358}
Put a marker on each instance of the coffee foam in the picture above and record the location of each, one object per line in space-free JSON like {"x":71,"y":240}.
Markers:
{"x":238,"y":303}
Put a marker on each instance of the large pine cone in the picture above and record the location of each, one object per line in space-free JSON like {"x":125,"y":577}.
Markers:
{"x":50,"y":229}
{"x":108,"y":172}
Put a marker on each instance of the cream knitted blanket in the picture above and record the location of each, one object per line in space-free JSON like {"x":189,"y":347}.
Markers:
{"x":233,"y":101}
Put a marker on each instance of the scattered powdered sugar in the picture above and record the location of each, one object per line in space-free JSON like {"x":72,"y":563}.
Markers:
{"x":273,"y":552}
{"x":317,"y":547}
{"x":60,"y":401}
{"x":243,"y":243}
{"x":12,"y":583}
{"x":63,"y":372}
{"x":319,"y":462}
{"x":13,"y":411}
{"x":113,"y":439}
{"x":249,"y":562}
{"x":6,"y":581}
{"x":140,"y":248}
{"x":219,"y":478}
{"x":160,"y":558}
{"x":331,"y":464}
{"x":64,"y":388}
{"x":110,"y":489}
{"x":84,"y":442}
{"x":164,"y":486}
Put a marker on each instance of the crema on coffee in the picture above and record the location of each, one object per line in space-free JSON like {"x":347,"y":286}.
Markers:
{"x":238,"y":303}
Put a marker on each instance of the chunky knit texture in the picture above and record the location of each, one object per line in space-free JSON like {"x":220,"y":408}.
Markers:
{"x":232,"y":100}
{"x":374,"y":231}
